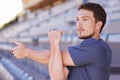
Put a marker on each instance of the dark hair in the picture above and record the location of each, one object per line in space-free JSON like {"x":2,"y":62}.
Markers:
{"x":98,"y":11}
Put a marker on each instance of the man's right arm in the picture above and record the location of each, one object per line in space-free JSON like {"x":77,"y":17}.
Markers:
{"x":22,"y":51}
{"x":42,"y":56}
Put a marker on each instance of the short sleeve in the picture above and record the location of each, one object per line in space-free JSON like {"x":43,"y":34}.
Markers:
{"x":83,"y":55}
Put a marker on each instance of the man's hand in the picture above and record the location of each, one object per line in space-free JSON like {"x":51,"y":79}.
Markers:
{"x":19,"y":50}
{"x":54,"y":36}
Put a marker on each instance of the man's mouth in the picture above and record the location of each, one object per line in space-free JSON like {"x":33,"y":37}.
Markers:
{"x":80,"y":30}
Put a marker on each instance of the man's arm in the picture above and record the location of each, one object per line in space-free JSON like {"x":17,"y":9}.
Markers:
{"x":42,"y":56}
{"x":57,"y":70}
{"x":22,"y":51}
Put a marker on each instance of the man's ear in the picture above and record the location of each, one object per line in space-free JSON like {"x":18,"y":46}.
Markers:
{"x":99,"y":25}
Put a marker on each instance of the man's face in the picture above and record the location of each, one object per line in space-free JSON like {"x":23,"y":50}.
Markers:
{"x":85,"y":24}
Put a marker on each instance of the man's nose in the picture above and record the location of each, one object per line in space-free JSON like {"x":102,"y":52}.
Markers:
{"x":78,"y":25}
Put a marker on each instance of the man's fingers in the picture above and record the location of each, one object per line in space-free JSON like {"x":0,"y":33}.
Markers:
{"x":18,"y":42}
{"x":61,"y":32}
{"x":52,"y":30}
{"x":13,"y":48}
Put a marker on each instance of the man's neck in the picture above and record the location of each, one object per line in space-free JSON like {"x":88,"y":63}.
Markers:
{"x":97,"y":37}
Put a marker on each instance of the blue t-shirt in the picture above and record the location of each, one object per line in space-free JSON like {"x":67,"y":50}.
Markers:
{"x":92,"y":59}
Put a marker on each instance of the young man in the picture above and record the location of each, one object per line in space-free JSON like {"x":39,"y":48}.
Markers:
{"x":89,"y":60}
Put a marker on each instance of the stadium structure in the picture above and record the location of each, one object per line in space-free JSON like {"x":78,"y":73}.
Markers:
{"x":32,"y":27}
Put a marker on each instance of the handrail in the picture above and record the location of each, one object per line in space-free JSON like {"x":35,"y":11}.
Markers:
{"x":15,"y":71}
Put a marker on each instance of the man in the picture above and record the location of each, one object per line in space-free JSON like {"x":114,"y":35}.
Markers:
{"x":89,"y":60}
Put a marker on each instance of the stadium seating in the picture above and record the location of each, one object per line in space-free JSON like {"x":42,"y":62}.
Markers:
{"x":34,"y":26}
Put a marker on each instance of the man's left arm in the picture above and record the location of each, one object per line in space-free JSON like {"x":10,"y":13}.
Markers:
{"x":56,"y":69}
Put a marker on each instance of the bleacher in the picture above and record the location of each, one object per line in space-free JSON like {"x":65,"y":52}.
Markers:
{"x":4,"y":73}
{"x":46,"y":21}
{"x":16,"y":73}
{"x":32,"y":28}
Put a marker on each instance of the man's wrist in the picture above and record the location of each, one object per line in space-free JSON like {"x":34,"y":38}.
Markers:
{"x":26,"y":52}
{"x":55,"y":45}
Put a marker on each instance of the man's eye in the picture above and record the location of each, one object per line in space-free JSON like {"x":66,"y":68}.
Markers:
{"x":77,"y":19}
{"x":85,"y":19}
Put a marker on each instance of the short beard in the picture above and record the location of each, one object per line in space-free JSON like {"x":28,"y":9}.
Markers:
{"x":86,"y":37}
